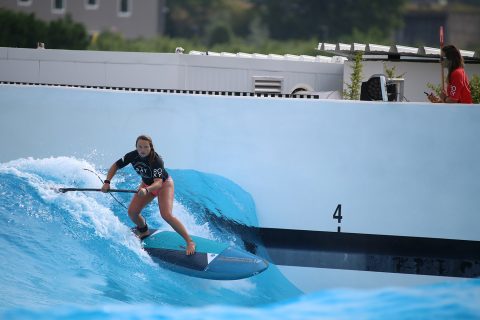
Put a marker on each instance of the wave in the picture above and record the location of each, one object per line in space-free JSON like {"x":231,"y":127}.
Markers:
{"x":76,"y":248}
{"x":456,"y":300}
{"x":72,"y":256}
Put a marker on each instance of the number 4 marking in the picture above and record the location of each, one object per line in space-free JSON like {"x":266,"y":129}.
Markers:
{"x":338,"y":213}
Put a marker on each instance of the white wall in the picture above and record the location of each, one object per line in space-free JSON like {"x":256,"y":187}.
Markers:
{"x":198,"y":72}
{"x":161,"y":70}
{"x":405,"y":169}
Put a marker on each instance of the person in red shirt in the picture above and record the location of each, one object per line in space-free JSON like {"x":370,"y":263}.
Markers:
{"x":458,"y":89}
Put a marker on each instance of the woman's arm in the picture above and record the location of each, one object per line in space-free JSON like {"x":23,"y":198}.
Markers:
{"x":450,"y":100}
{"x":433,"y":98}
{"x":157,"y":184}
{"x":111,"y":173}
{"x":444,"y":98}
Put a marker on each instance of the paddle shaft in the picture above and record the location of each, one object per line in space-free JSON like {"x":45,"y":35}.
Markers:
{"x":63,"y":190}
{"x":442,"y":76}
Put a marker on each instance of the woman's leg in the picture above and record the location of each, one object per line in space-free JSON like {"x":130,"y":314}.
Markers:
{"x":135,"y":209}
{"x":165,"y":203}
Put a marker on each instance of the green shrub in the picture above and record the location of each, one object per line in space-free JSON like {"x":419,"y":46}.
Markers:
{"x":353,"y":89}
{"x":475,"y":88}
{"x":392,"y":72}
{"x":22,"y":30}
{"x":109,"y":41}
{"x":66,"y":34}
{"x":436,"y":88}
{"x":219,"y":33}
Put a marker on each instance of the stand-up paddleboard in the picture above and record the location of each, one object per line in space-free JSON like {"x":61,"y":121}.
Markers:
{"x":212,"y":260}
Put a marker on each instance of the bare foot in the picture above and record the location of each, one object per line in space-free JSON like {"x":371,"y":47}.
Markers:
{"x":190,"y":248}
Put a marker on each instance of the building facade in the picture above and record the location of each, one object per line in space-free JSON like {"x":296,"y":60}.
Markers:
{"x":133,"y":19}
{"x":422,"y":21}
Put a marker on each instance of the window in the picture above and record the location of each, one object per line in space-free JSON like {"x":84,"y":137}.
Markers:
{"x":58,"y":6}
{"x":91,"y":4}
{"x":124,"y":8}
{"x":24,"y":3}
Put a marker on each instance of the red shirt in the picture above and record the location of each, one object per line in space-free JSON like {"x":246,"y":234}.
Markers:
{"x":458,"y":87}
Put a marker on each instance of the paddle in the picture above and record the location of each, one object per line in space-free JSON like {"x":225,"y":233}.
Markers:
{"x":101,"y":180}
{"x":441,"y":58}
{"x":63,"y":190}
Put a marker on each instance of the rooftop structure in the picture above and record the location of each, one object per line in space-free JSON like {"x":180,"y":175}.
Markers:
{"x":395,"y":52}
{"x":226,"y":73}
{"x":423,"y":18}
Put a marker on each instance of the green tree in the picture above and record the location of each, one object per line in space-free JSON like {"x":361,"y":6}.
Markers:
{"x":219,"y":33}
{"x":24,"y":31}
{"x":330,"y":20}
{"x":21,"y":30}
{"x":200,"y":18}
{"x":109,"y":41}
{"x":66,"y":34}
{"x":189,"y":18}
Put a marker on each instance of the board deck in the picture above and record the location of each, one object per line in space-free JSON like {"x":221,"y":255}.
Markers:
{"x":212,"y":259}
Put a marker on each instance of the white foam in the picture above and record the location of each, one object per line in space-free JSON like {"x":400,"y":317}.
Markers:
{"x":91,"y":209}
{"x":188,"y":221}
{"x":56,"y":168}
{"x":243,"y":286}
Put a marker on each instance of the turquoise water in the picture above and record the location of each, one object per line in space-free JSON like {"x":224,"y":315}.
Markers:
{"x":72,"y":256}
